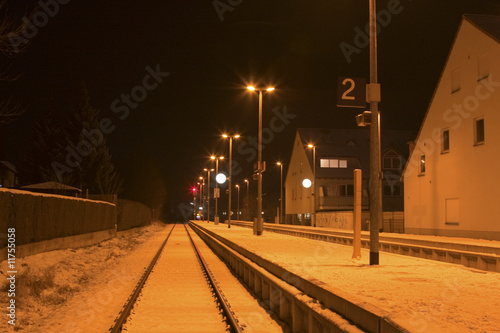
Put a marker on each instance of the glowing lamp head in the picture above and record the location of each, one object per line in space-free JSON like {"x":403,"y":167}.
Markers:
{"x":220,"y":178}
{"x":306,"y":183}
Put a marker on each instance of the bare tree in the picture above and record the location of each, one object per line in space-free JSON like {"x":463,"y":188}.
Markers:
{"x":9,"y":111}
{"x":9,"y":27}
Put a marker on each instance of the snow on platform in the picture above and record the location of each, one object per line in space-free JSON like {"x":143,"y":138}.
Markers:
{"x":421,"y":295}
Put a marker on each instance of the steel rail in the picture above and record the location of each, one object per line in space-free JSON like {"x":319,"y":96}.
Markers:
{"x":122,"y":318}
{"x":224,"y":304}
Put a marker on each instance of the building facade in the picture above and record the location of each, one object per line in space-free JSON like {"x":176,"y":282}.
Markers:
{"x":329,"y":165}
{"x":451,"y":179}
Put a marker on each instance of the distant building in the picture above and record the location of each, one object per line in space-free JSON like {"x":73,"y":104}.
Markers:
{"x":452,"y":186}
{"x":337,"y":154}
{"x":53,"y":188}
{"x":8,"y":175}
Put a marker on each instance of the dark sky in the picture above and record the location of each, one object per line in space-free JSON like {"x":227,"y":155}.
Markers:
{"x":294,"y":45}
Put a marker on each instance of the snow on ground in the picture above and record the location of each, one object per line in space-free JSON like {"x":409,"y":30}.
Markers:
{"x":79,"y":290}
{"x":421,"y":295}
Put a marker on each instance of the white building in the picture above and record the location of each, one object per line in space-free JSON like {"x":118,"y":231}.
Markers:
{"x":452,"y":184}
{"x":337,"y":153}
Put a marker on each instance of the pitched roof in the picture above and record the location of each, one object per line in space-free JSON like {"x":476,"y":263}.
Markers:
{"x":489,"y":24}
{"x":352,"y":145}
{"x":50,"y":186}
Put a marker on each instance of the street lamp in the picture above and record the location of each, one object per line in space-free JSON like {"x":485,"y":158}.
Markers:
{"x":247,"y":203}
{"x":202,"y":214}
{"x":281,"y":191}
{"x":238,"y":207}
{"x":373,"y":94}
{"x":208,"y":193}
{"x":216,"y":192}
{"x":193,"y":191}
{"x":313,"y":215}
{"x":231,"y":137}
{"x":259,"y":228}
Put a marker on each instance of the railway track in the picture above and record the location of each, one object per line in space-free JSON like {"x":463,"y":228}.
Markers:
{"x":177,"y":292}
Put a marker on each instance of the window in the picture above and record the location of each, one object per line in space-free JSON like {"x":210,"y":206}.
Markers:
{"x":479,"y":131}
{"x":392,"y":162}
{"x":483,"y":67}
{"x":332,"y":163}
{"x":346,"y":190}
{"x":394,"y":190}
{"x":455,"y":80}
{"x":328,"y":190}
{"x":422,"y":164}
{"x":445,"y":137}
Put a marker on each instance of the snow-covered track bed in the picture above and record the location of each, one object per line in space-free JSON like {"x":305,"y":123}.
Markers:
{"x":478,"y":254}
{"x":305,"y":306}
{"x":178,"y":293}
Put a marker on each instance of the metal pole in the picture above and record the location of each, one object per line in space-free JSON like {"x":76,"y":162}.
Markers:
{"x":281,"y":194}
{"x":238,"y":210}
{"x":314,"y":188}
{"x":248,"y":203}
{"x":229,"y":182}
{"x":216,"y":218}
{"x":208,"y":197}
{"x":260,"y":226}
{"x":203,"y":199}
{"x":356,"y":243}
{"x":375,"y":175}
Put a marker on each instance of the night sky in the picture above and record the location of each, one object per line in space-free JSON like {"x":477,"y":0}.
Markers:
{"x":210,"y":57}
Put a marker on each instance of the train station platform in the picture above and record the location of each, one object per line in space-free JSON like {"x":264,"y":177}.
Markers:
{"x":418,"y":295}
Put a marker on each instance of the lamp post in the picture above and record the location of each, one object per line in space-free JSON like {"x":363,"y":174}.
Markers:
{"x":247,"y":203}
{"x":375,"y":169}
{"x":230,"y":172}
{"x":208,"y":193}
{"x":313,"y":214}
{"x":193,"y":191}
{"x":238,"y":206}
{"x":281,"y":191}
{"x":216,"y":197}
{"x":202,"y":215}
{"x":259,"y":228}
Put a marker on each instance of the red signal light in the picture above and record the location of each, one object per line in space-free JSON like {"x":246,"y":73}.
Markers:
{"x":194,"y":189}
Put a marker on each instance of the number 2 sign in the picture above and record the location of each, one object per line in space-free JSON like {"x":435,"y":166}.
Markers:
{"x":351,"y":92}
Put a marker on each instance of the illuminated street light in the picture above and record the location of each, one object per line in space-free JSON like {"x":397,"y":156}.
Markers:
{"x":313,"y":215}
{"x":202,"y":198}
{"x":208,"y":193}
{"x":221,"y":178}
{"x":259,"y":226}
{"x":281,"y":191}
{"x":238,"y":206}
{"x":248,"y":202}
{"x":231,"y":137}
{"x":216,"y":192}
